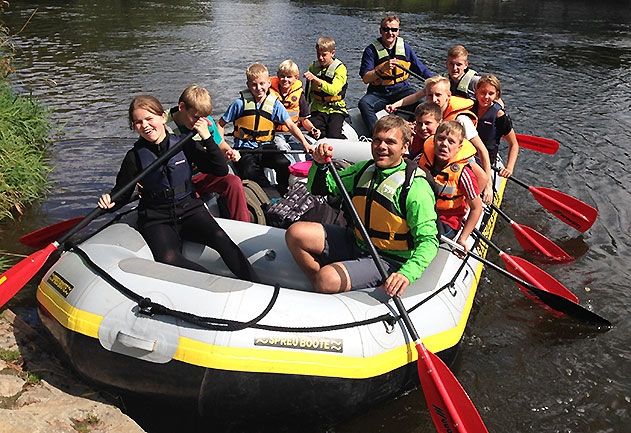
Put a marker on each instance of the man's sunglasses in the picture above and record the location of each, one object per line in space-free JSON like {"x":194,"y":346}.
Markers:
{"x":390,"y":29}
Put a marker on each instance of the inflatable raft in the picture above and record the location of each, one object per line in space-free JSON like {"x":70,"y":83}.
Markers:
{"x":272,"y":352}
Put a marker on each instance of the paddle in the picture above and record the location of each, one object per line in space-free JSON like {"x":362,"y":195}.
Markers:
{"x":539,"y":144}
{"x":45,"y":235}
{"x":538,"y":285}
{"x":279,"y":151}
{"x":568,"y":209}
{"x":18,"y":275}
{"x":531,"y":240}
{"x":448,"y":403}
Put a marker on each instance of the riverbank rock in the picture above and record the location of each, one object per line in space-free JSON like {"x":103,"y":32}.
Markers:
{"x":37,"y":394}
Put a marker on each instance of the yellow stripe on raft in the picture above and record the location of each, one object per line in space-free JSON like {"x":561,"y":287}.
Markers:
{"x":273,"y":360}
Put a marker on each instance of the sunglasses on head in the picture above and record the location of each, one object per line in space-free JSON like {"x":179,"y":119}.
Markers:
{"x":390,"y":29}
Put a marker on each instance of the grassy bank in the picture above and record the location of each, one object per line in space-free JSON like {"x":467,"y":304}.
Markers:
{"x":24,"y":131}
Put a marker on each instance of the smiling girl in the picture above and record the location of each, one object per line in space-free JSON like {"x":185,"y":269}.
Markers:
{"x":494,"y":123}
{"x":169,"y":212}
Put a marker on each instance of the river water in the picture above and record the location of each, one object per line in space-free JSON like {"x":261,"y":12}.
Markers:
{"x":565,"y":68}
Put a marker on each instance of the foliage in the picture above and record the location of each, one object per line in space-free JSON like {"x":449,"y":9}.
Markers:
{"x":6,"y":46}
{"x":24,"y":131}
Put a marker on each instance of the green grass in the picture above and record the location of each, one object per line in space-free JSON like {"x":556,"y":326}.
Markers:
{"x":24,"y":131}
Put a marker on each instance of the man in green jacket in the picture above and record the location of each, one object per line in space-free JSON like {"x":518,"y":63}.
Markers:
{"x":395,"y":203}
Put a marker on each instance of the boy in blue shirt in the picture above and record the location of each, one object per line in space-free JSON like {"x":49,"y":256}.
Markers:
{"x":254,"y":115}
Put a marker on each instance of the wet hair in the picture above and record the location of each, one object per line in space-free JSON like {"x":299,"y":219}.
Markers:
{"x":457,"y":51}
{"x":437,"y":79}
{"x":428,"y":108}
{"x":390,"y":17}
{"x":493,"y":81}
{"x":325,"y":43}
{"x":197,"y":98}
{"x":451,"y":126}
{"x":288,"y":68}
{"x":256,"y":70}
{"x":145,"y":102}
{"x":386,"y":123}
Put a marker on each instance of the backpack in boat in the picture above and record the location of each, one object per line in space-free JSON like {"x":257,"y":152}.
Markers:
{"x":298,"y":204}
{"x":257,"y":201}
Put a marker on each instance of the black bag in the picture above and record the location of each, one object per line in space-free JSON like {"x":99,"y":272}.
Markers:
{"x":300,"y":205}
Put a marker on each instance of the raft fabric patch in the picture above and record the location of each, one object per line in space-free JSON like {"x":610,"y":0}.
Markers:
{"x":303,"y":342}
{"x":60,"y":284}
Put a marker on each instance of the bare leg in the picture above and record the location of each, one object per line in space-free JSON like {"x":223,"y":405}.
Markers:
{"x":305,"y":240}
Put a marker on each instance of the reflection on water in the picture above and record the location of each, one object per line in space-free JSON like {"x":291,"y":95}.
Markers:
{"x":564,"y":67}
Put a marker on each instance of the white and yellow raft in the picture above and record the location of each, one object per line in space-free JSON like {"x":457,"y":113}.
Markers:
{"x":232,"y":349}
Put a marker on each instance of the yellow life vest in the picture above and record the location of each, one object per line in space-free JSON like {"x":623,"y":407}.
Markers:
{"x":457,"y":106}
{"x":256,"y":122}
{"x":327,"y":74}
{"x":386,"y":226}
{"x":291,"y":101}
{"x":391,"y":76}
{"x":447,"y":179}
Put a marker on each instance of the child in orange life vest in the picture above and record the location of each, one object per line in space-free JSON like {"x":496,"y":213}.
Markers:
{"x":494,"y":123}
{"x":287,"y":87}
{"x":326,"y":88}
{"x":427,"y":118}
{"x":194,"y":103}
{"x":458,"y":109}
{"x":447,"y":160}
{"x":255,"y":114}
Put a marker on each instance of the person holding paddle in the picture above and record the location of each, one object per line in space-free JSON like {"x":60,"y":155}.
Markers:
{"x":387,"y":82}
{"x":168,"y":211}
{"x":446,"y":158}
{"x":396,"y":204}
{"x":494,"y":123}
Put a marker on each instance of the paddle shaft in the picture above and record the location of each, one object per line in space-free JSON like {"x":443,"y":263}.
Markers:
{"x":498,"y":268}
{"x":282,"y":151}
{"x":373,"y":251}
{"x":412,"y":73}
{"x":423,"y":354}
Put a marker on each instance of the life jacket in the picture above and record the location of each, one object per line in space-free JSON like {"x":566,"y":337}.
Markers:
{"x":487,"y":131}
{"x":169,"y":183}
{"x":462,"y":87}
{"x":386,"y":226}
{"x":327,"y":74}
{"x":291,"y":101}
{"x":256,"y":121}
{"x":396,"y":75}
{"x":446,"y":180}
{"x":457,"y":106}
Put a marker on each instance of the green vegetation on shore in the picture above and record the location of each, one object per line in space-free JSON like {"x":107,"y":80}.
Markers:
{"x":24,"y":136}
{"x":24,"y":131}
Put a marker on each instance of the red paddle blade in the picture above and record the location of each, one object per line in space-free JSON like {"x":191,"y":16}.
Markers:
{"x":18,"y":275}
{"x":568,"y":209}
{"x":539,"y":144}
{"x":44,"y":236}
{"x":537,"y":277}
{"x":449,"y":405}
{"x":533,"y":241}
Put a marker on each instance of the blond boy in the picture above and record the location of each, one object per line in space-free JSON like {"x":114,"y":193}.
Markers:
{"x":255,"y":115}
{"x":194,"y":103}
{"x":326,"y":88}
{"x":287,"y":87}
{"x":456,"y":184}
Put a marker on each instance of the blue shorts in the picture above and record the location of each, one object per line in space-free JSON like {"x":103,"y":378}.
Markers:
{"x":340,"y":247}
